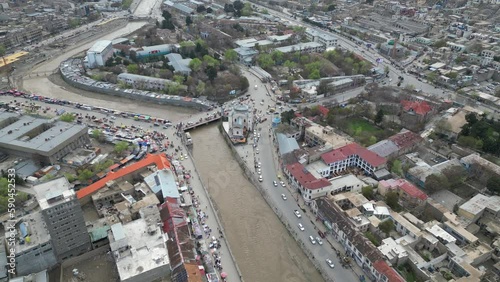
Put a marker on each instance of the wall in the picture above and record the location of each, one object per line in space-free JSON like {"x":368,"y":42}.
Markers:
{"x":121,"y":93}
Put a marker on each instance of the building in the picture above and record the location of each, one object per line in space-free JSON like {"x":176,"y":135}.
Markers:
{"x":143,"y":82}
{"x":99,"y":53}
{"x":33,"y":247}
{"x":397,"y":145}
{"x":245,"y":55}
{"x":419,"y":173}
{"x":306,"y":183}
{"x":240,"y":121}
{"x":79,"y":157}
{"x":43,"y":140}
{"x":479,"y":206}
{"x":318,"y":135}
{"x":415,"y":113}
{"x":286,"y":144}
{"x":63,"y":217}
{"x":321,"y":37}
{"x":353,"y":155}
{"x":152,"y":51}
{"x":179,"y":64}
{"x":303,"y":48}
{"x":409,"y":194}
{"x":139,"y":249}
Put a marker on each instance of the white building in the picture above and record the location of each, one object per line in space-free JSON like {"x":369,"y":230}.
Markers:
{"x":303,"y":48}
{"x":99,"y":53}
{"x":321,"y":37}
{"x":240,"y":121}
{"x":143,"y":82}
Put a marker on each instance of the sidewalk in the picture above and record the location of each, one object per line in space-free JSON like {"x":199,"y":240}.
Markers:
{"x":228,"y":264}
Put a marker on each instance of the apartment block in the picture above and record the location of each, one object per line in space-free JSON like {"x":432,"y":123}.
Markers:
{"x":321,"y":37}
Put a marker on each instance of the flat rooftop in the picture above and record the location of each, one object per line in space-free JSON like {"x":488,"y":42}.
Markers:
{"x":147,"y":248}
{"x":38,"y":233}
{"x":164,"y":181}
{"x":99,"y":46}
{"x":53,"y":192}
{"x":332,"y":138}
{"x":35,"y":135}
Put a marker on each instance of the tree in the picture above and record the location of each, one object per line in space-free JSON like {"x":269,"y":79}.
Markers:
{"x":230,"y":55}
{"x":210,"y":61}
{"x":379,"y":117}
{"x":85,"y":175}
{"x":287,"y":116}
{"x":211,"y":73}
{"x":120,"y":147}
{"x":195,"y":64}
{"x":391,"y":199}
{"x":314,"y":74}
{"x":455,"y":174}
{"x":470,"y":142}
{"x":331,"y":8}
{"x":247,"y":10}
{"x":238,"y":5}
{"x":97,"y":135}
{"x":133,"y":68}
{"x":452,"y":75}
{"x":200,"y":9}
{"x":367,"y":191}
{"x":436,"y":182}
{"x":265,"y":61}
{"x":189,"y":21}
{"x":493,"y":184}
{"x":386,"y":70}
{"x":200,"y":88}
{"x":67,"y":117}
{"x":386,"y":226}
{"x":440,"y":43}
{"x":2,"y":53}
{"x":397,"y":168}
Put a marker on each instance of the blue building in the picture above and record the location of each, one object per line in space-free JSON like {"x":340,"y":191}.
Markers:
{"x":153,"y":51}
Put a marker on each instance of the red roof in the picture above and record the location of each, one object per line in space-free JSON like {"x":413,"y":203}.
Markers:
{"x":383,"y":268}
{"x":305,"y":178}
{"x":405,"y":139}
{"x":160,"y":161}
{"x":412,"y":190}
{"x":419,"y":107}
{"x":323,"y":110}
{"x":345,"y":152}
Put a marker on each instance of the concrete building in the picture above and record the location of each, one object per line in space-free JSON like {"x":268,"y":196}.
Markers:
{"x":79,"y":157}
{"x":33,"y":247}
{"x":321,"y":37}
{"x":353,"y":155}
{"x":396,"y":145}
{"x":143,"y":82}
{"x":63,"y":217}
{"x":99,"y":53}
{"x":139,"y":248}
{"x":43,"y":140}
{"x":306,"y":183}
{"x":240,"y":121}
{"x":303,"y":48}
{"x":152,"y":51}
{"x":245,"y":55}
{"x":479,"y":206}
{"x":316,"y":134}
{"x":409,"y":195}
{"x":179,"y":64}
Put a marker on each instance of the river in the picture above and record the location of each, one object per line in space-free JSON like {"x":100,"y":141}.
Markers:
{"x":263,"y":248}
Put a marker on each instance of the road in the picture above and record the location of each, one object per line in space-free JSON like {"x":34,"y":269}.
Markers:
{"x":270,"y":172}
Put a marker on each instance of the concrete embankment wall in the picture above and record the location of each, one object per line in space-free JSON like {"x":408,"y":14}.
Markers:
{"x":214,"y":207}
{"x":120,"y":93}
{"x":254,"y":180}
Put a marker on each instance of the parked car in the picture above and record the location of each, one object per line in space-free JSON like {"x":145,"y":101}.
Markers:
{"x":283,"y":196}
{"x":301,"y":227}
{"x":297,"y":213}
{"x":330,"y":263}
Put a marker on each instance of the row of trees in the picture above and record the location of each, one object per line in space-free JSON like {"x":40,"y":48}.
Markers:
{"x":481,"y":133}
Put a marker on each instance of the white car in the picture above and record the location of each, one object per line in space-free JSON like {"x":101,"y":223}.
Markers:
{"x":301,"y":227}
{"x":260,"y":178}
{"x":257,"y":150}
{"x":283,"y":196}
{"x":275,"y":184}
{"x":297,"y":213}
{"x":259,"y":171}
{"x":319,"y":240}
{"x":258,"y":135}
{"x":259,"y":164}
{"x":282,"y":184}
{"x":330,"y":263}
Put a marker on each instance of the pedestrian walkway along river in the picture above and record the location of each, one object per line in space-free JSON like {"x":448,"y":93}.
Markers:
{"x":263,"y":248}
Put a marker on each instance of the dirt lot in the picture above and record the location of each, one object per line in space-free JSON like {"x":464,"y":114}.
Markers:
{"x":97,"y":269}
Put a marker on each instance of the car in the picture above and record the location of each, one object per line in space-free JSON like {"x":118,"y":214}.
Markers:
{"x":260,"y":178}
{"x":257,"y":150}
{"x":258,"y":135}
{"x":297,"y":213}
{"x":259,"y":164}
{"x":330,"y":263}
{"x":282,"y":184}
{"x":259,"y":170}
{"x":311,"y":238}
{"x":301,"y":227}
{"x":319,"y":240}
{"x":283,"y":196}
{"x":275,"y":183}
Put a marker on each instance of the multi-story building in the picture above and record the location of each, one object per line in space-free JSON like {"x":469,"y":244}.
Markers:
{"x":20,"y":36}
{"x":318,"y":135}
{"x":43,"y":140}
{"x":321,"y":37}
{"x":303,"y":48}
{"x":479,"y":206}
{"x":353,"y":155}
{"x":240,"y":121}
{"x":63,"y":217}
{"x":99,"y":53}
{"x":33,"y":247}
{"x":143,"y":82}
{"x":304,"y":181}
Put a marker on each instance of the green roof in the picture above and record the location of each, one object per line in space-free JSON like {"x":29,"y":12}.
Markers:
{"x":99,"y":233}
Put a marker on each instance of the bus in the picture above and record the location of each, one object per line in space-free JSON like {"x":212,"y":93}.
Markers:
{"x":189,"y":141}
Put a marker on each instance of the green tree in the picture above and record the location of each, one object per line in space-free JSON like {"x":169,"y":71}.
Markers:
{"x":440,"y":43}
{"x":278,"y":56}
{"x":436,"y":182}
{"x":230,"y":55}
{"x":452,"y":75}
{"x":290,"y":64}
{"x":386,"y":226}
{"x":331,"y":8}
{"x":367,"y":191}
{"x":392,"y":200}
{"x":209,"y":61}
{"x":67,"y":117}
{"x":265,"y":61}
{"x":493,"y":184}
{"x":314,"y":74}
{"x":386,"y":70}
{"x":85,"y":175}
{"x":397,"y":168}
{"x":247,"y":10}
{"x":211,"y":73}
{"x":97,"y":135}
{"x":456,"y":175}
{"x":287,"y":116}
{"x":200,"y":88}
{"x":179,"y":79}
{"x":133,"y":68}
{"x":195,"y":64}
{"x":379,"y":117}
{"x":470,"y":142}
{"x":121,"y":146}
{"x":189,"y":21}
